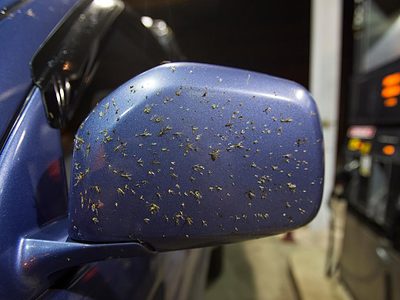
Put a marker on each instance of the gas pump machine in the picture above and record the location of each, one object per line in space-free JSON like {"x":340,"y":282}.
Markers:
{"x":370,"y":260}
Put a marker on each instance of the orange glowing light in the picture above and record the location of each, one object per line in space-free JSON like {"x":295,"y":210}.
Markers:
{"x":391,"y":91}
{"x":390,"y":102}
{"x":388,"y":150}
{"x":66,"y":66}
{"x":391,"y":79}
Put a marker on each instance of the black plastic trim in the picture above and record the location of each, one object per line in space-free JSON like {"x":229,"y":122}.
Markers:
{"x":64,"y":64}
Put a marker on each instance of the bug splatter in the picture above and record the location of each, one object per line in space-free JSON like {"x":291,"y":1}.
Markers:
{"x":215,"y":154}
{"x":291,"y":186}
{"x":196,"y":194}
{"x":79,"y":177}
{"x":145,"y":133}
{"x":250,"y":194}
{"x":164,"y":130}
{"x":154,"y":208}
{"x":147,"y":109}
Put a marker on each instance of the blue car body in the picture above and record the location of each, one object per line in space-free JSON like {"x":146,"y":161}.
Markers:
{"x":58,"y":59}
{"x":33,"y":182}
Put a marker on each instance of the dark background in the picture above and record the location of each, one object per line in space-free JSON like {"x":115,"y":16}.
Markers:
{"x":267,"y":36}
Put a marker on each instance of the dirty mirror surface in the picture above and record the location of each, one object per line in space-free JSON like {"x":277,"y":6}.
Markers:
{"x":187,"y":155}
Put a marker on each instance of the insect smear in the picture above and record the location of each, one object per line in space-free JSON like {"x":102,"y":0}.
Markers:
{"x":267,"y":110}
{"x":291,"y":186}
{"x":157,"y":119}
{"x":120,"y":147}
{"x":79,"y":177}
{"x":140,"y":162}
{"x":96,"y":188}
{"x":126,"y":175}
{"x":106,"y":137}
{"x":154,"y":208}
{"x":229,"y":124}
{"x":196,"y":194}
{"x":164,"y":130}
{"x":120,"y":192}
{"x":198,"y":168}
{"x":251,"y":195}
{"x":235,"y":146}
{"x":194,"y":129}
{"x":266,"y":131}
{"x":287,"y":157}
{"x":286,"y":120}
{"x":78,"y":142}
{"x":300,"y":141}
{"x":189,"y":220}
{"x":215,"y":188}
{"x":189,"y":147}
{"x":147,"y":109}
{"x":95,"y":207}
{"x":254,"y":165}
{"x":87,"y":150}
{"x":263,"y":179}
{"x":214,"y":154}
{"x":145,"y":133}
{"x":126,"y":187}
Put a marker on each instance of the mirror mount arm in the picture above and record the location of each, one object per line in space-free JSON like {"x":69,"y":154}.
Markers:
{"x":48,"y":251}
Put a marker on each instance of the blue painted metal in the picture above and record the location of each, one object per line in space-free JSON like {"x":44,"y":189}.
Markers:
{"x":21,"y":34}
{"x":188,"y":155}
{"x":32,"y":186}
{"x":32,"y":194}
{"x":48,"y":250}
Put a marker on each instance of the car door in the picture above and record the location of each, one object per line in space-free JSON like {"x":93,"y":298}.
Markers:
{"x":34,"y":154}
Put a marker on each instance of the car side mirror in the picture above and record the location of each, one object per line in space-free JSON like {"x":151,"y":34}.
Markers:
{"x":189,"y":155}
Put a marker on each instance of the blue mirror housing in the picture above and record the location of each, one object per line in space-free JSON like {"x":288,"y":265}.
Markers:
{"x":188,"y":155}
